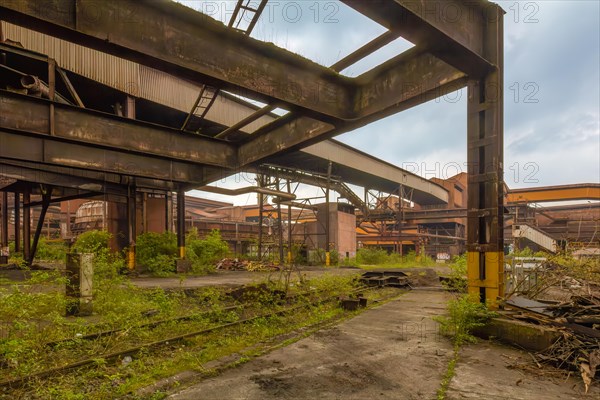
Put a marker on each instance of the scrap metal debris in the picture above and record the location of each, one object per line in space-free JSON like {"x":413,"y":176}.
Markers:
{"x":385,"y":278}
{"x":578,"y":321}
{"x":234,"y":264}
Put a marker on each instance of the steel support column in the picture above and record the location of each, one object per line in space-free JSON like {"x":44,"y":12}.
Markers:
{"x":261,"y":203}
{"x":181,"y":222}
{"x":131,"y":226}
{"x":280,"y":225}
{"x":167,"y":212}
{"x":26,"y":225}
{"x":327,"y":218}
{"x":17,"y":208}
{"x":4,"y":233}
{"x":289,"y":221}
{"x":46,"y":197}
{"x":485,"y":263}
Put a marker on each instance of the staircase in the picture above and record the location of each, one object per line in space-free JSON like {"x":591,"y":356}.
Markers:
{"x":536,"y":236}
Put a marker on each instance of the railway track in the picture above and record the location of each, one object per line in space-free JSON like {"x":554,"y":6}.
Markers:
{"x":14,"y":383}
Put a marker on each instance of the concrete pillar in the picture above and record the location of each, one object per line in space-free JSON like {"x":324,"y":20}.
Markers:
{"x":80,"y":273}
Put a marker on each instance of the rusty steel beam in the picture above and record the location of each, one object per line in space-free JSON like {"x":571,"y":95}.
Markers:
{"x":452,"y":30}
{"x":176,"y":39}
{"x":345,"y":62}
{"x":75,"y":178}
{"x":47,"y":149}
{"x":408,"y":76}
{"x":362,"y":52}
{"x":301,"y":132}
{"x":92,"y":128}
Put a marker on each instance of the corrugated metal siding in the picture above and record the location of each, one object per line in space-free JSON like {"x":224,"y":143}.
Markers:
{"x":104,"y":68}
{"x":129,"y":77}
{"x":165,"y":89}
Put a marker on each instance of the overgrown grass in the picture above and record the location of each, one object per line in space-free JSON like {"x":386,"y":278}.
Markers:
{"x":373,"y":258}
{"x":120,"y":305}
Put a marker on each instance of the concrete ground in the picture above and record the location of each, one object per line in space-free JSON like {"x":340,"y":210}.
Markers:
{"x":491,"y":371}
{"x":390,"y":352}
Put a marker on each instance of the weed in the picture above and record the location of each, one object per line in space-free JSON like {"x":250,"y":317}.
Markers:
{"x":457,"y":281}
{"x":448,"y":375}
{"x":465,"y":313}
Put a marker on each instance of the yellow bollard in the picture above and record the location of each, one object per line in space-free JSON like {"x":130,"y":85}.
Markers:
{"x":327,"y":259}
{"x":131,"y":258}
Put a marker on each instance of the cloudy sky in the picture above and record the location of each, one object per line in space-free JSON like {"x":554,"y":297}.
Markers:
{"x":552,"y":89}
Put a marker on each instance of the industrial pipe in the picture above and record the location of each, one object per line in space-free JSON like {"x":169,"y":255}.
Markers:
{"x":34,"y":86}
{"x":248,"y":189}
{"x":38,"y":88}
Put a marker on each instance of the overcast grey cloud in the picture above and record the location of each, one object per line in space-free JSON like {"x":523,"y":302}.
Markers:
{"x":552,"y":88}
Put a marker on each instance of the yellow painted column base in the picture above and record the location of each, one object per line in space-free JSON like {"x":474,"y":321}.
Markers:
{"x":182,"y":252}
{"x":327,"y":259}
{"x":493,"y":284}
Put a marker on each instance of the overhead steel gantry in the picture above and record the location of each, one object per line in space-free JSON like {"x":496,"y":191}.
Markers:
{"x":458,"y":43}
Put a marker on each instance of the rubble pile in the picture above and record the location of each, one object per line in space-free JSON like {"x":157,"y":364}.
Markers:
{"x":578,"y":322}
{"x":234,"y":264}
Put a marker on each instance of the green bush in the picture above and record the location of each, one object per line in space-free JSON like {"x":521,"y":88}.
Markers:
{"x":95,"y":242}
{"x":297,"y":257}
{"x":465,"y":313}
{"x":107,"y":265}
{"x":527,"y":252}
{"x":51,"y":250}
{"x":371,"y":256}
{"x":205,"y":253}
{"x":157,"y":252}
